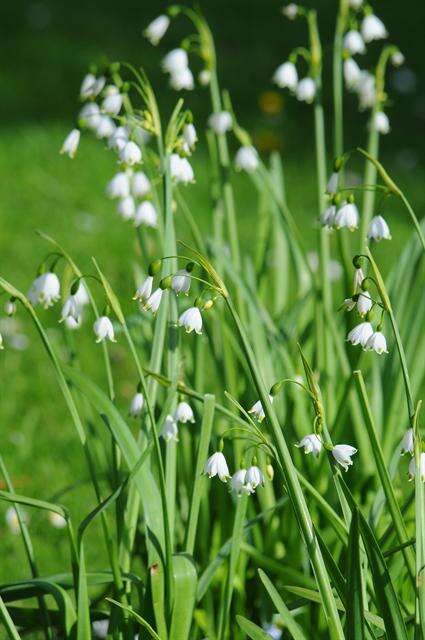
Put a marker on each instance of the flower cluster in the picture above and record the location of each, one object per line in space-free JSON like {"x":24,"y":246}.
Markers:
{"x":183,"y":414}
{"x":342,"y":453}
{"x":243,"y":481}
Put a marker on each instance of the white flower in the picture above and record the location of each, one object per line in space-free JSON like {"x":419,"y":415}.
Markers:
{"x":328,"y":216}
{"x":175,"y":61}
{"x":349,"y":304}
{"x":358,"y":278}
{"x":364,"y":303}
{"x":91,"y":86}
{"x":71,"y":143}
{"x":220,"y":122}
{"x":216,"y":465}
{"x":131,"y":153}
{"x":170,"y":430}
{"x":182,"y":79}
{"x":12,"y":520}
{"x":10,"y":308}
{"x":204,"y":77}
{"x":155,"y":31}
{"x":347,"y":216}
{"x":144,"y":291}
{"x":136,"y":405}
{"x":381,"y":123}
{"x":103,"y":329}
{"x":355,"y":4}
{"x":360,"y":334}
{"x":89,"y":116}
{"x":105,"y":127}
{"x":1,"y":342}
{"x":258,"y":411}
{"x":189,"y":135}
{"x":119,"y":186}
{"x":81,"y":296}
{"x":181,"y":169}
{"x":306,"y":90}
{"x":412,"y":467}
{"x":352,"y":74}
{"x":290,"y":11}
{"x":366,"y":89}
{"x":70,"y":309}
{"x":127,"y":208}
{"x":247,"y":159}
{"x":181,"y":282}
{"x":342,"y":454}
{"x":286,"y":76}
{"x":378,"y":229}
{"x":146,"y":214}
{"x":56,"y":520}
{"x":73,"y":323}
{"x":154,"y":300}
{"x":273,"y":631}
{"x":373,"y":28}
{"x":408,"y":442}
{"x":376,"y":342}
{"x":140,"y":184}
{"x":45,"y":289}
{"x":397,"y":59}
{"x":118,"y":139}
{"x":100,"y":628}
{"x":254,"y":477}
{"x":184,"y":413}
{"x":354,"y":43}
{"x":191,"y":320}
{"x":310,"y":444}
{"x":332,"y":186}
{"x":238,"y":483}
{"x":112,"y":101}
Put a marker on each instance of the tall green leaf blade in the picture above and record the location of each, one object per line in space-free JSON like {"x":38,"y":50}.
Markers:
{"x":292,"y":626}
{"x":185,"y":582}
{"x":252,"y":630}
{"x":354,"y":625}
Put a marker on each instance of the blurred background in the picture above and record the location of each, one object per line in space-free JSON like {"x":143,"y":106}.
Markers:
{"x":47,"y":47}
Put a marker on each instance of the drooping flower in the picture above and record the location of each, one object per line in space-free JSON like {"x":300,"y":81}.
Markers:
{"x":358,"y":278}
{"x":238,"y":483}
{"x":136,"y":405}
{"x":204,"y":77}
{"x":146,"y":214}
{"x":127,"y":208}
{"x":349,"y":304}
{"x":119,"y":186}
{"x":328,"y":216}
{"x":360,"y":334}
{"x":190,"y":136}
{"x":105,"y":127}
{"x":258,"y":411}
{"x":81,"y":296}
{"x":10,"y":307}
{"x":89,"y":116}
{"x":352,"y":74}
{"x":332,"y":185}
{"x":112,"y":101}
{"x":144,"y":291}
{"x":74,"y":323}
{"x":103,"y":329}
{"x":290,"y":11}
{"x":154,"y":300}
{"x":56,"y":520}
{"x":354,"y":43}
{"x":373,"y":28}
{"x":254,"y":477}
{"x":100,"y":628}
{"x":364,"y":303}
{"x":378,"y":229}
{"x":156,"y":30}
{"x":45,"y":289}
{"x":131,"y":154}
{"x":408,"y":442}
{"x":412,"y":467}
{"x":12,"y":519}
{"x":180,"y":283}
{"x":286,"y":76}
{"x":310,"y":444}
{"x":347,"y":216}
{"x":273,"y":631}
{"x":397,"y":59}
{"x":71,"y":143}
{"x":118,"y":139}
{"x":381,"y":123}
{"x":184,"y":413}
{"x":216,"y":465}
{"x":220,"y":122}
{"x":181,"y":169}
{"x":366,"y":90}
{"x":91,"y":86}
{"x":70,"y":309}
{"x":140,"y":184}
{"x":191,"y":320}
{"x":343,"y":453}
{"x":246,"y":159}
{"x":376,"y":342}
{"x":182,"y":79}
{"x":175,"y":61}
{"x":306,"y":90}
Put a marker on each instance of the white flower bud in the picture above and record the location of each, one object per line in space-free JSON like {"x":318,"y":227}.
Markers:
{"x":247,"y":159}
{"x":220,"y":122}
{"x":286,"y":76}
{"x":204,"y":77}
{"x":342,"y":454}
{"x":397,"y":59}
{"x":175,"y":61}
{"x":91,"y":86}
{"x":381,"y":123}
{"x":170,"y":430}
{"x":191,"y":320}
{"x":56,"y":520}
{"x":290,"y":11}
{"x":156,"y":30}
{"x":358,"y":278}
{"x":71,"y":143}
{"x":354,"y":43}
{"x":355,"y":4}
{"x":352,"y":74}
{"x":131,"y":154}
{"x":10,"y":308}
{"x":103,"y":329}
{"x":136,"y":405}
{"x":366,"y":90}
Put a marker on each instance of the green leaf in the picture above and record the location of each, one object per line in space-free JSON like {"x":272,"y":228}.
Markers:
{"x":290,"y":624}
{"x":8,"y":622}
{"x":32,"y":502}
{"x":354,"y":625}
{"x":137,"y":617}
{"x":252,"y":630}
{"x":83,"y":606}
{"x":185,"y":582}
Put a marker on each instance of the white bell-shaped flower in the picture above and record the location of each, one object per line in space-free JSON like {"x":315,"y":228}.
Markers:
{"x":136,"y":405}
{"x":373,"y":28}
{"x":397,"y":59}
{"x":332,"y":185}
{"x":290,"y":11}
{"x":343,"y":453}
{"x":381,"y":123}
{"x":45,"y":290}
{"x":328,"y":216}
{"x":286,"y":76}
{"x":238,"y":483}
{"x":156,"y":30}
{"x":204,"y":77}
{"x":246,"y":159}
{"x":378,"y":229}
{"x":140,"y":184}
{"x":258,"y":411}
{"x":220,"y":122}
{"x":352,"y":74}
{"x":191,"y":320}
{"x":144,"y":291}
{"x":364,"y":303}
{"x":180,"y":283}
{"x":176,"y":60}
{"x":408,"y":442}
{"x":184,"y":413}
{"x":182,"y":79}
{"x":190,"y":136}
{"x":119,"y":186}
{"x":354,"y":43}
{"x":366,"y":90}
{"x":112,"y":102}
{"x":254,"y":477}
{"x":170,"y":429}
{"x":10,"y":308}
{"x":91,"y":86}
{"x":89,"y":116}
{"x":347,"y":217}
{"x":310,"y":444}
{"x":118,"y":139}
{"x":412,"y":467}
{"x":74,"y":323}
{"x":358,"y":278}
{"x":103,"y":329}
{"x":181,"y":169}
{"x":12,"y":519}
{"x":377,"y":342}
{"x":154,"y":300}
{"x":306,"y":90}
{"x":105,"y":127}
{"x":71,"y":143}
{"x":70,"y":309}
{"x":360,"y":334}
{"x":349,"y":304}
{"x":146,"y":215}
{"x":216,"y":465}
{"x":81,"y":296}
{"x":131,"y":154}
{"x":355,"y":4}
{"x":127,"y":208}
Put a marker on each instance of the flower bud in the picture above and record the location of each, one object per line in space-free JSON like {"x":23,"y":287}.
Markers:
{"x":269,"y":471}
{"x":166,"y":282}
{"x":154,"y":267}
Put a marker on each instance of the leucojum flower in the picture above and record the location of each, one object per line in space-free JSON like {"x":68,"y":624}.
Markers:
{"x":286,"y":76}
{"x":378,"y":229}
{"x":191,"y":320}
{"x":412,"y":467}
{"x":184,"y":413}
{"x":343,"y":453}
{"x":247,"y":159}
{"x":170,"y":430}
{"x":136,"y":405}
{"x":156,"y":30}
{"x":71,"y":143}
{"x":310,"y":444}
{"x":45,"y":289}
{"x":103,"y":329}
{"x":216,"y":465}
{"x":258,"y":411}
